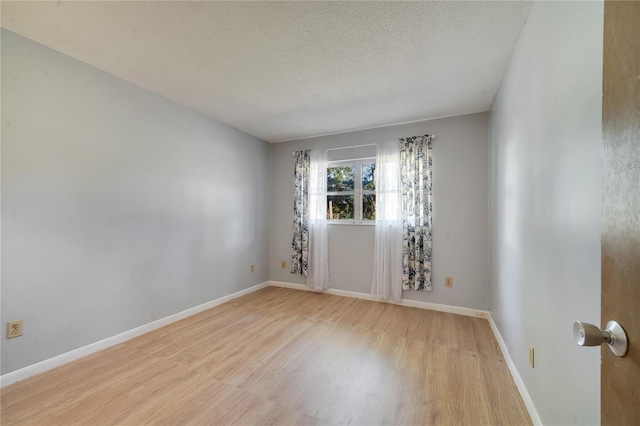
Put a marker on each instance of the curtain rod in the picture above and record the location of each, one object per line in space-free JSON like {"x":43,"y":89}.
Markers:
{"x":350,"y":147}
{"x":356,"y":146}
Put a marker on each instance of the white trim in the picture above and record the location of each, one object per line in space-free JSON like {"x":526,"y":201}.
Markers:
{"x":343,"y":222}
{"x":526,"y":398}
{"x":350,"y":160}
{"x":351,"y":147}
{"x":66,"y":357}
{"x":404,"y":302}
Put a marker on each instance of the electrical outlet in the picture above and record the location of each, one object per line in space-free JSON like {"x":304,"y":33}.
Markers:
{"x":14,"y":329}
{"x":284,"y":264}
{"x":252,"y":268}
{"x":531,"y":356}
{"x":448,"y":281}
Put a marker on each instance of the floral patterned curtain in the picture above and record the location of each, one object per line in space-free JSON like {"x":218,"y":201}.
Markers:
{"x":300,"y":234}
{"x":415,"y":170}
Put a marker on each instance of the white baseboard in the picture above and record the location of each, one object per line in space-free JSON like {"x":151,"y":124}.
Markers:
{"x":526,"y":398}
{"x":404,"y":302}
{"x":66,"y":357}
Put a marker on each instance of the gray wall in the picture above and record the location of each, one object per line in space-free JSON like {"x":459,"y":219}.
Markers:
{"x":546,"y":156}
{"x":118,"y":206}
{"x":460,"y":197}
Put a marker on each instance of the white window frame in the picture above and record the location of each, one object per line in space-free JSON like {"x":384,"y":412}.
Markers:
{"x":357,"y":192}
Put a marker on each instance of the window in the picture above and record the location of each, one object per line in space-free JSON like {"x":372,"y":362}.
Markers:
{"x":351,"y":195}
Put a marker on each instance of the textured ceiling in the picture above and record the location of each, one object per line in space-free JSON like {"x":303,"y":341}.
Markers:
{"x":289,"y":70}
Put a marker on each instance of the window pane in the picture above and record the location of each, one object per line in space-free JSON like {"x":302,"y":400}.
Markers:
{"x":340,"y":207}
{"x":341,"y":178}
{"x":369,"y":207}
{"x":368,"y":171}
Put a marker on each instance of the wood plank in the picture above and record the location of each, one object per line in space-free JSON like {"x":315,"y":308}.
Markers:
{"x":282,"y":356}
{"x":620,"y":377}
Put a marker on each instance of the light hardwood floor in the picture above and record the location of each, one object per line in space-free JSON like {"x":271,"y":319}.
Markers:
{"x":280,"y":356}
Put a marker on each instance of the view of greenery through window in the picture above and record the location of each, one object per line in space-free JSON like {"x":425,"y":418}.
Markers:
{"x":368,"y":192}
{"x":340,"y":179}
{"x":344,"y":183}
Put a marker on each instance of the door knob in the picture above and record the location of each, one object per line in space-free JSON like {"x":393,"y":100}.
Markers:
{"x":589,"y":335}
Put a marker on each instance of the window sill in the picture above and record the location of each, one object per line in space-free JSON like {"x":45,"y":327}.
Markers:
{"x":353,"y":223}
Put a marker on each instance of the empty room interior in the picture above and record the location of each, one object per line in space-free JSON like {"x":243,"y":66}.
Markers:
{"x":302,"y":212}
